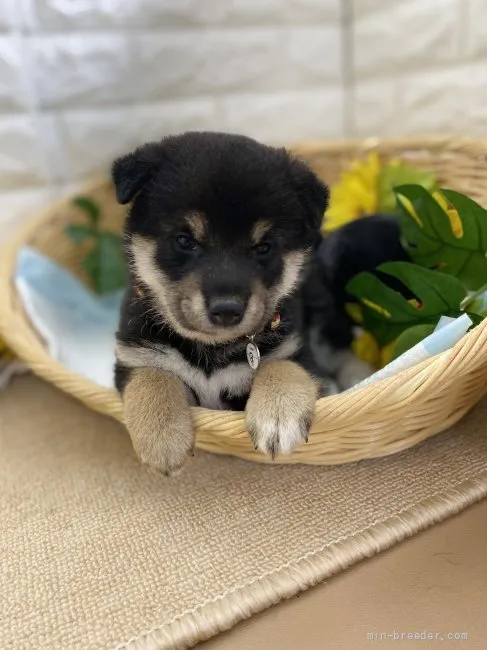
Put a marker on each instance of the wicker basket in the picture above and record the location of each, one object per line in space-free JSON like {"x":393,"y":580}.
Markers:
{"x":380,"y":419}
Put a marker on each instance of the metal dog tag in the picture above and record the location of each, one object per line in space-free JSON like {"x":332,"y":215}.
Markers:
{"x":253,"y":354}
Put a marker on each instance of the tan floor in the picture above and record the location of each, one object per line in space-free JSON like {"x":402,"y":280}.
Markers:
{"x":435,"y":583}
{"x":75,"y":486}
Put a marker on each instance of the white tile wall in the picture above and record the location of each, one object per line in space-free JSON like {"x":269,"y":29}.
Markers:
{"x":82,"y":81}
{"x":289,"y":117}
{"x":405,"y":35}
{"x":14,"y":95}
{"x":102,"y":14}
{"x":21,"y":157}
{"x":419,"y":66}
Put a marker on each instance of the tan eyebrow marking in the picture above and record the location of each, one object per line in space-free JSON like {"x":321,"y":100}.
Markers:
{"x":197,"y":222}
{"x":260,"y":229}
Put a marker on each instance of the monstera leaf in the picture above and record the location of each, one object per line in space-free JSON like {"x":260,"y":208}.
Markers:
{"x":396,"y":174}
{"x":387,"y":314}
{"x":409,"y":338}
{"x":448,"y":232}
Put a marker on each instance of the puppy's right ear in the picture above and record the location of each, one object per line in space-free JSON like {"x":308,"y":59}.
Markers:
{"x":132,"y":171}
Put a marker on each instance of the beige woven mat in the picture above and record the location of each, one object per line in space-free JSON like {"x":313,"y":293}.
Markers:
{"x":96,"y":553}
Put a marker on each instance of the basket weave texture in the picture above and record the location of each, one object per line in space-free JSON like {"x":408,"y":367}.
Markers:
{"x":376,"y":420}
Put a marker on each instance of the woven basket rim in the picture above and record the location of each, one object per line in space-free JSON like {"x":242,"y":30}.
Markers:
{"x":14,"y":328}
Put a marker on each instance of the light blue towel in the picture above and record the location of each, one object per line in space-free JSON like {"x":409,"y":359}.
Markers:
{"x":77,"y":325}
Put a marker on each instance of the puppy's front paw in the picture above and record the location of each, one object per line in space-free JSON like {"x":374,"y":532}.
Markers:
{"x":164,"y":446}
{"x":158,"y":418}
{"x":280,"y":407}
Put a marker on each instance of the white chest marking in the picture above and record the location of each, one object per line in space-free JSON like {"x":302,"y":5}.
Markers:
{"x":234,"y":379}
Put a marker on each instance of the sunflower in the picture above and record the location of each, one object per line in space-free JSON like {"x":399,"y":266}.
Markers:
{"x":355,"y":195}
{"x":367,"y":186}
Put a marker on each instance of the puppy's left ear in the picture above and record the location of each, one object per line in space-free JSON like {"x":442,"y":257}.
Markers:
{"x":312,"y":192}
{"x":131,"y":172}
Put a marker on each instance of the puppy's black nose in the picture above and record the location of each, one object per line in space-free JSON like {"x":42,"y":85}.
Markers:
{"x":226,"y":311}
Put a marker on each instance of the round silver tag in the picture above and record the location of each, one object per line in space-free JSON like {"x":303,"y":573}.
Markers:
{"x":253,"y":355}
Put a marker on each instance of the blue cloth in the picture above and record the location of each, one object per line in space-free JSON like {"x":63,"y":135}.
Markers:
{"x":77,"y":325}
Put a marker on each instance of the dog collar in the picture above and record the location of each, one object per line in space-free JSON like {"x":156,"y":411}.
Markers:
{"x":276,"y":321}
{"x":252,"y":349}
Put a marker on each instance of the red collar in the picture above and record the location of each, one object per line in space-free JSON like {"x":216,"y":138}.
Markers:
{"x":276,"y":321}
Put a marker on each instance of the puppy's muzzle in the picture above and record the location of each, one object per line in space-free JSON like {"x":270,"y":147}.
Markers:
{"x":226,"y":312}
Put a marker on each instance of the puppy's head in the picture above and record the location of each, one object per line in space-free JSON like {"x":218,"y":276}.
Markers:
{"x":220,"y":229}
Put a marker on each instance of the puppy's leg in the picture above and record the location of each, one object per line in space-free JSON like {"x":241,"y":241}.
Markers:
{"x":352,"y":370}
{"x":158,"y":418}
{"x":280,"y":407}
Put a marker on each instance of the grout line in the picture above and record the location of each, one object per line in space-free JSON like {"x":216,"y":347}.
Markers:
{"x":175,"y":100}
{"x":34,"y":30}
{"x":348,"y":59}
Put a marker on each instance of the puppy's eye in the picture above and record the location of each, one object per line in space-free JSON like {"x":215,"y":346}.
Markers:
{"x":262,"y":250}
{"x":186,"y":243}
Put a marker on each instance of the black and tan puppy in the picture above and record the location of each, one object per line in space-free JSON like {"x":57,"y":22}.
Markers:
{"x":218,"y":237}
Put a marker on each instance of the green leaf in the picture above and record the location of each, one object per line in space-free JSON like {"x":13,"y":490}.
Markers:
{"x":384,"y":331}
{"x":478,"y":308}
{"x":473,"y":217}
{"x":105,"y":263}
{"x":437,"y":292}
{"x":392,"y":176}
{"x":381,"y":300}
{"x":478,"y":297}
{"x":91,"y":265}
{"x":113,"y":269}
{"x":411,"y":337}
{"x":432,"y":242}
{"x":475,"y":305}
{"x":79,"y":233}
{"x":89,"y":207}
{"x":477,"y":317}
{"x":387,"y":313}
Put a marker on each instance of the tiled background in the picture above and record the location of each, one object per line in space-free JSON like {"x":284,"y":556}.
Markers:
{"x":420,"y":66}
{"x":84,"y":80}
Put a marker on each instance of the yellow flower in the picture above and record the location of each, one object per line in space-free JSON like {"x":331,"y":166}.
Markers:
{"x":366,"y":348}
{"x":386,"y":354}
{"x":452,"y":213}
{"x":354,"y":310}
{"x":355,"y":195}
{"x":5,"y":352}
